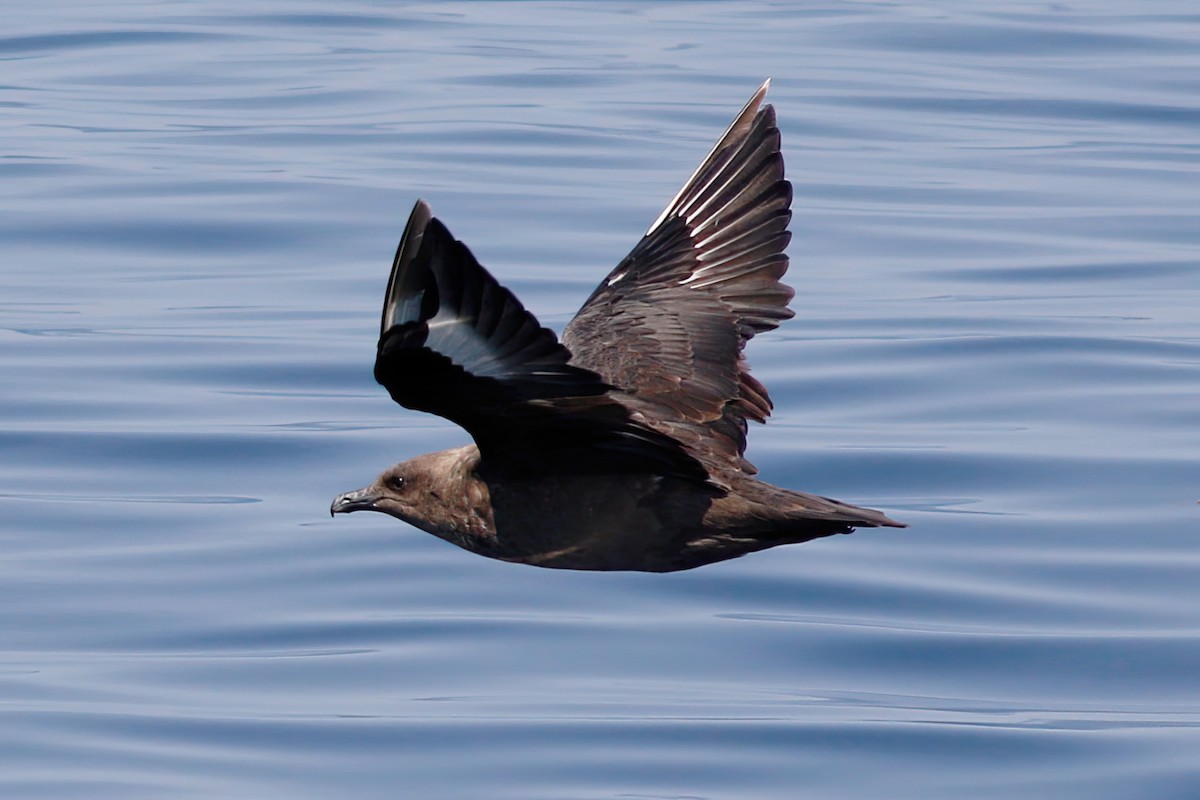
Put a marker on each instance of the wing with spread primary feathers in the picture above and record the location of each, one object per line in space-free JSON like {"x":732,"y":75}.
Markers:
{"x":669,"y":323}
{"x":456,"y":343}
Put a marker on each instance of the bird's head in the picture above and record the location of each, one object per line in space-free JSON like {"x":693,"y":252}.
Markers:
{"x":436,"y":492}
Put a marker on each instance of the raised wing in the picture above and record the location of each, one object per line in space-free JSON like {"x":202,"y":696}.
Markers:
{"x":669,"y":323}
{"x":456,"y":343}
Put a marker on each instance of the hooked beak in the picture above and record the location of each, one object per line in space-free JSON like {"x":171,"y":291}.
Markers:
{"x":358,"y":500}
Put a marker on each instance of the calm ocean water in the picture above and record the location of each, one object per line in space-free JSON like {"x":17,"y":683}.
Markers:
{"x":997,"y":264}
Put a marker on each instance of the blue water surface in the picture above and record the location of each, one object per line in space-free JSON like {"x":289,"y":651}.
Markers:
{"x":997,"y":261}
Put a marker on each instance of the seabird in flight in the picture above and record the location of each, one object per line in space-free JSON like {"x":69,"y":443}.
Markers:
{"x":620,"y":446}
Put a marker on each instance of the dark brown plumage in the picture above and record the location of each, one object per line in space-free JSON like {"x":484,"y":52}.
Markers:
{"x":620,"y":448}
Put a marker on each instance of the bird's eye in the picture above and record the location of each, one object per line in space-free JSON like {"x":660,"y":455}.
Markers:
{"x":395,"y":482}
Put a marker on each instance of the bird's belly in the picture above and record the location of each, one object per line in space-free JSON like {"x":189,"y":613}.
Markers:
{"x":624,"y":522}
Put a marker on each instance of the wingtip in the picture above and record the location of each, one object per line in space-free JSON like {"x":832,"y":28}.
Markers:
{"x":870,"y":518}
{"x":760,"y":94}
{"x":410,"y":241}
{"x":420,"y":215}
{"x":740,"y":124}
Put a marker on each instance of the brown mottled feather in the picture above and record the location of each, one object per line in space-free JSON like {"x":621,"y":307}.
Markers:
{"x":669,"y":324}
